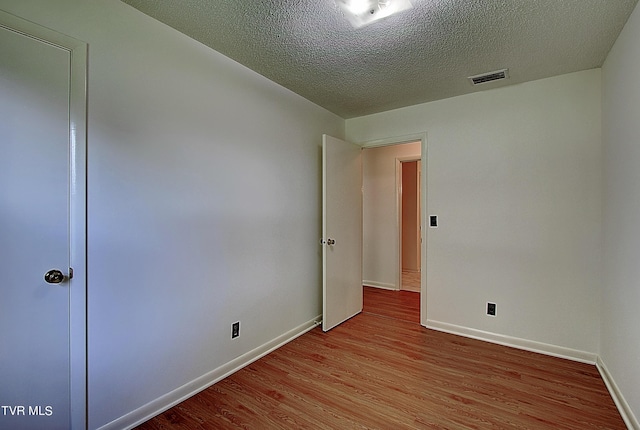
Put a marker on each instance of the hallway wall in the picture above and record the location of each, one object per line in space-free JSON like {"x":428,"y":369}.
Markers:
{"x":410,"y":224}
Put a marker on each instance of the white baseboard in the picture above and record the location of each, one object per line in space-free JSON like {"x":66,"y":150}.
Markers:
{"x":515,"y":342}
{"x":625,"y":411}
{"x":167,"y":401}
{"x":382,"y":285}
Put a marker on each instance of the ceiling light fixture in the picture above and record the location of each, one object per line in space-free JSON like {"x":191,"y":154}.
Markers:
{"x":364,"y":12}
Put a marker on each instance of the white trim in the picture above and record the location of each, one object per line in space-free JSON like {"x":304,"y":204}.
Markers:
{"x":408,"y":138}
{"x":167,"y":401}
{"x":515,"y":342}
{"x":78,"y":233}
{"x":381,"y":285}
{"x":399,"y":222}
{"x":424,"y":210}
{"x":623,"y":407}
{"x":77,"y":201}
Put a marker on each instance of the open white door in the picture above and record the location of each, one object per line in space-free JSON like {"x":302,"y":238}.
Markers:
{"x":341,"y":231}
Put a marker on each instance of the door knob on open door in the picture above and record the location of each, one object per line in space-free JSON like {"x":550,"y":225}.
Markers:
{"x":54,"y":276}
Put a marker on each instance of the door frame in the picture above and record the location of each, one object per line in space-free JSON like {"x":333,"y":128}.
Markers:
{"x":399,"y":212}
{"x":398,"y":140}
{"x":78,"y":53}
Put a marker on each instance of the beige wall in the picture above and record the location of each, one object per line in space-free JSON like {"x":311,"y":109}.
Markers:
{"x":410,"y":217}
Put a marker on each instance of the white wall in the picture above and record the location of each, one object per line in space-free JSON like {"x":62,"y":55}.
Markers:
{"x":379,"y":213}
{"x":203,"y":195}
{"x":514,"y":175}
{"x":620,"y":338}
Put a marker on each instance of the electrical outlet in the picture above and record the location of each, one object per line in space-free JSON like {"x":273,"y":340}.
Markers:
{"x":491,"y":309}
{"x":235,"y":329}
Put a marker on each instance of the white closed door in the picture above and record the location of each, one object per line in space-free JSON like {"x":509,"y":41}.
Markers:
{"x":38,"y":155}
{"x":341,"y":231}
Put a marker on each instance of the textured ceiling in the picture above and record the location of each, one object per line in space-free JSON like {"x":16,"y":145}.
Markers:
{"x":420,"y":55}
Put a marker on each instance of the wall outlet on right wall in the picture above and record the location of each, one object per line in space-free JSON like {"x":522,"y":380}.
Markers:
{"x":491,"y":309}
{"x":235,"y":329}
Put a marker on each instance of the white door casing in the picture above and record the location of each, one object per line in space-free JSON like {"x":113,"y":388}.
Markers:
{"x":42,"y":227}
{"x":341,"y":231}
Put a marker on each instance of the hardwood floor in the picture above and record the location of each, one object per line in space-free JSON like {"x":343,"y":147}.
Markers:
{"x":382,"y":370}
{"x":410,"y":280}
{"x":402,"y":305}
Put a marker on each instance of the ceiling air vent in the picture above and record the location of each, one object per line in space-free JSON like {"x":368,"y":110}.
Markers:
{"x":489,"y":77}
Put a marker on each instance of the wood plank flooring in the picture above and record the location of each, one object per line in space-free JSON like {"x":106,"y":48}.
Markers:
{"x":402,"y":305}
{"x":382,"y":370}
{"x":410,"y":280}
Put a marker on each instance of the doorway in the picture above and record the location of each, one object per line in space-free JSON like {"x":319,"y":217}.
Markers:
{"x":379,"y":241}
{"x":410,"y":230}
{"x":382,"y":203}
